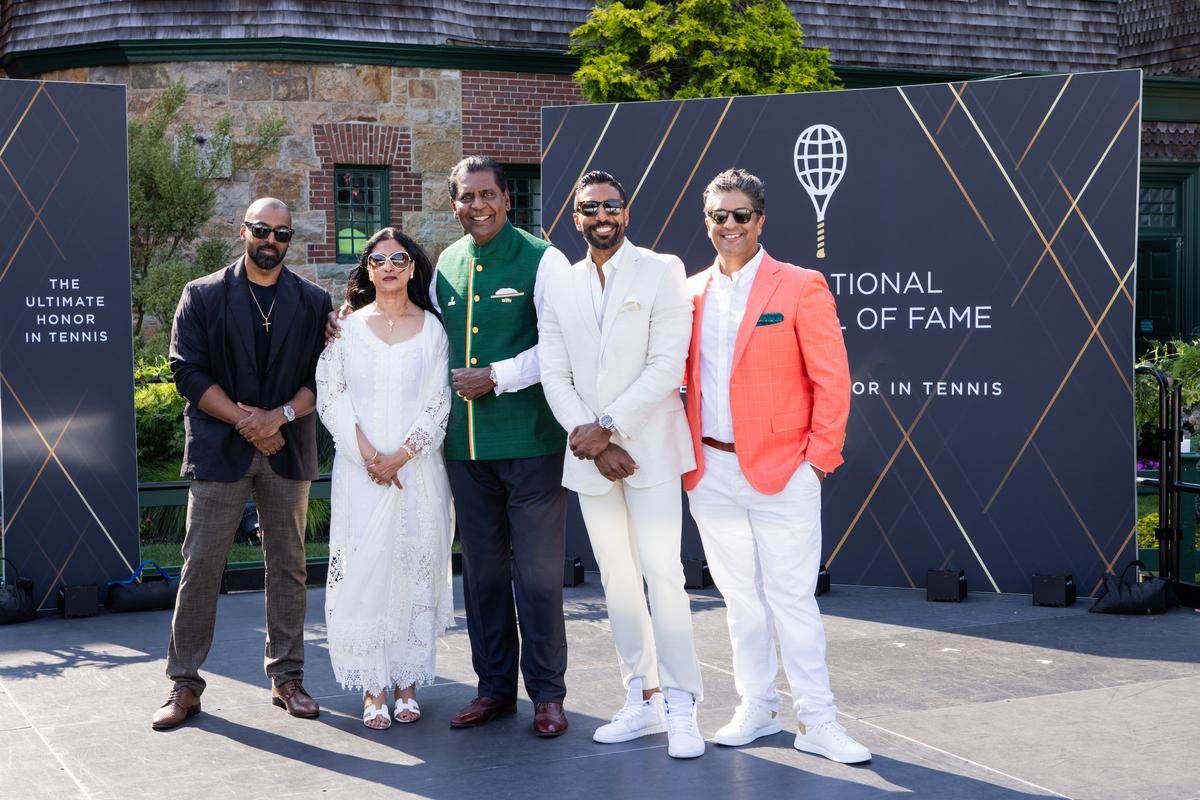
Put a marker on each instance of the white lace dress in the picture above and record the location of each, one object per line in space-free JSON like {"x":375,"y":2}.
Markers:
{"x":388,"y":595}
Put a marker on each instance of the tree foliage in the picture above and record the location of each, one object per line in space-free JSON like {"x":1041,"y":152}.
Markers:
{"x":173,"y":180}
{"x":1180,"y":360}
{"x":646,"y":50}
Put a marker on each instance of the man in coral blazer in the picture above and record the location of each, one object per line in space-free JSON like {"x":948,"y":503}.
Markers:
{"x":767,"y":402}
{"x":613,"y":337}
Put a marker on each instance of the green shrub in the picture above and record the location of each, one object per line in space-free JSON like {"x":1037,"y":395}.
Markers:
{"x":317,"y":524}
{"x":1147,"y":528}
{"x":159,"y":410}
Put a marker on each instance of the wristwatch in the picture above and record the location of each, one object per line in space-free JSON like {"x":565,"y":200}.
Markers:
{"x":289,"y":413}
{"x":606,"y":422}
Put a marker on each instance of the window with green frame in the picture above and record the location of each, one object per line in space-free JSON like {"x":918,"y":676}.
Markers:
{"x":525,"y":194}
{"x":360,"y":202}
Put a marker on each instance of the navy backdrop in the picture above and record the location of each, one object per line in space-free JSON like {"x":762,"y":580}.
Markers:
{"x":980,"y":241}
{"x":66,"y":394}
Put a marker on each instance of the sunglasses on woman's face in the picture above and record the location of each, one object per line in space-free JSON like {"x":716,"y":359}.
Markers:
{"x":740,"y":215}
{"x":400,"y":260}
{"x":261,"y":230}
{"x":590,"y":208}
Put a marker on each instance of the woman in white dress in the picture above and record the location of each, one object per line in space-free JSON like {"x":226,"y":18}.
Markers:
{"x":383,"y":393}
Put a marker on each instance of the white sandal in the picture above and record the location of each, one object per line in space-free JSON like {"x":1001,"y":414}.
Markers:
{"x":371,"y":712}
{"x":411,"y":707}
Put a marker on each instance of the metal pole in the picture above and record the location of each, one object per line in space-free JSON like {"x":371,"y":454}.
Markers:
{"x":1167,"y":503}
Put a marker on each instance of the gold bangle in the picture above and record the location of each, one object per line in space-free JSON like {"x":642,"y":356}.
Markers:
{"x":407,"y":449}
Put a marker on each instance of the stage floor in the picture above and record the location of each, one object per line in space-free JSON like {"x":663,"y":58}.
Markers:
{"x":988,"y":699}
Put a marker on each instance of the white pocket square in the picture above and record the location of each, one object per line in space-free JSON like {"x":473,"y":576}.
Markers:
{"x":631,"y":303}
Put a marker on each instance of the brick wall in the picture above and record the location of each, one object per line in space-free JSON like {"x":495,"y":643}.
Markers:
{"x":501,"y":112}
{"x":362,"y":145}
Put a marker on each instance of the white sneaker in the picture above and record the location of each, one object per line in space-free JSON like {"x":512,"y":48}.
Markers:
{"x":683,"y":737}
{"x":830,"y":739}
{"x":750,"y":721}
{"x":635,"y":719}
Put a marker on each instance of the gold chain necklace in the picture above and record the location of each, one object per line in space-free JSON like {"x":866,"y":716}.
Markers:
{"x":267,"y":316}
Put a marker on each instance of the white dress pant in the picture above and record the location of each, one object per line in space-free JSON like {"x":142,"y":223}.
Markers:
{"x":635,"y":535}
{"x":764,"y":553}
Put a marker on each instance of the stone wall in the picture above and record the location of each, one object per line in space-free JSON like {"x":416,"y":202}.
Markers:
{"x":409,"y":119}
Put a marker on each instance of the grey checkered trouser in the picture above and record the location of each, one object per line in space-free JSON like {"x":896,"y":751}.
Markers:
{"x":214,"y":511}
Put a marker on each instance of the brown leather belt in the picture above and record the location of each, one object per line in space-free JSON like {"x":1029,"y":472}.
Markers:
{"x":711,"y":442}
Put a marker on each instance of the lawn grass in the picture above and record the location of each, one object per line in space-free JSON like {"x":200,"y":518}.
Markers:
{"x":169,"y":555}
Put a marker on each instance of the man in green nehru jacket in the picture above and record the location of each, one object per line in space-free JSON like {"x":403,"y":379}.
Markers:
{"x":504,"y":452}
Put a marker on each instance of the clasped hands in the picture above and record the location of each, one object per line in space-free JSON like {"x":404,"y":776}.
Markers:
{"x":382,"y":468}
{"x":593,"y":442}
{"x":260,"y":428}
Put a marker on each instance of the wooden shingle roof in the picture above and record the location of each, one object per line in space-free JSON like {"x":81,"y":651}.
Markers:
{"x":1161,"y":36}
{"x":964,"y":35}
{"x":967,"y":35}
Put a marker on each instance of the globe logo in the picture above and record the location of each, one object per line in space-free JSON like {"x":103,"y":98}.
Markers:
{"x":820,"y":161}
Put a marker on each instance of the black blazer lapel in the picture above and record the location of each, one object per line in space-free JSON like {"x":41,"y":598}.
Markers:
{"x":287,"y":302}
{"x":237,"y":295}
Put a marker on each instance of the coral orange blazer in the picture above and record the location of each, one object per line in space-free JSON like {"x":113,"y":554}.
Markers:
{"x":789,"y":389}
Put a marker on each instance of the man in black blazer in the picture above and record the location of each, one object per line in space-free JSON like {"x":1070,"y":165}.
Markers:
{"x":244,"y":350}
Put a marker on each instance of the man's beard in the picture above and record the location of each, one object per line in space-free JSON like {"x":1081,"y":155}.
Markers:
{"x":604,"y":242}
{"x":264,"y":257}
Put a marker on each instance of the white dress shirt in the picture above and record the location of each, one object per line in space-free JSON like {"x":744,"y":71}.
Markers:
{"x":600,"y":292}
{"x":724,"y":306}
{"x":522,"y":370}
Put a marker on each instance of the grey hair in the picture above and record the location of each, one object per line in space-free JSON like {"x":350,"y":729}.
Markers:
{"x":739,"y":180}
{"x":475,"y":164}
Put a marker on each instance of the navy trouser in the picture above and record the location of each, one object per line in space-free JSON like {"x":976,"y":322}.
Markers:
{"x":512,"y":523}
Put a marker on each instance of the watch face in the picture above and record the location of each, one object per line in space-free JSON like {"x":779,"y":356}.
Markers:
{"x":606,"y":421}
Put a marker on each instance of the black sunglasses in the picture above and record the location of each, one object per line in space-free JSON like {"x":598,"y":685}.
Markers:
{"x":590,"y":208}
{"x":399,"y":259}
{"x":261,"y":230}
{"x":740,"y":215}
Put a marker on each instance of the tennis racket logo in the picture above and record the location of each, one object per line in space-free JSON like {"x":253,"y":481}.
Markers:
{"x":820,"y":161}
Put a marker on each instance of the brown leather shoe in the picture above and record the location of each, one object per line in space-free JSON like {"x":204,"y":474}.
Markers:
{"x":482,"y":710}
{"x":293,"y":696}
{"x":181,"y":703}
{"x":549,"y":719}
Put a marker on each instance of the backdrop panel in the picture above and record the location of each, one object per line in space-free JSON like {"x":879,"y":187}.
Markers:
{"x":66,"y":394}
{"x":980,"y":241}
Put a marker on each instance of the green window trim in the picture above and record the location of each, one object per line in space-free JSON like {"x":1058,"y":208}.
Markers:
{"x":525,"y":195}
{"x":360,"y":207}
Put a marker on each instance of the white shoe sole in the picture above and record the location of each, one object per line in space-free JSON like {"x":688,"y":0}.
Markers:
{"x":821,"y":751}
{"x":687,"y":754}
{"x":628,"y":737}
{"x":730,"y":740}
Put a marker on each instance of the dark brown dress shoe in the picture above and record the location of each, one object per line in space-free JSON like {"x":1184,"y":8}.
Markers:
{"x":181,"y":703}
{"x":292,"y":696}
{"x":549,"y":719}
{"x":482,"y":710}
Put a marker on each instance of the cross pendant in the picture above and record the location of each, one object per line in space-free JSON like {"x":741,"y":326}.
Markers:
{"x":267,"y":325}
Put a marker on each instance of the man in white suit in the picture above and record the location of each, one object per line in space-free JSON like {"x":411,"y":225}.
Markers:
{"x":613,"y":339}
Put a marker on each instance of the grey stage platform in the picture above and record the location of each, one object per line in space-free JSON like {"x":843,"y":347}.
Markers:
{"x":988,"y":699}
